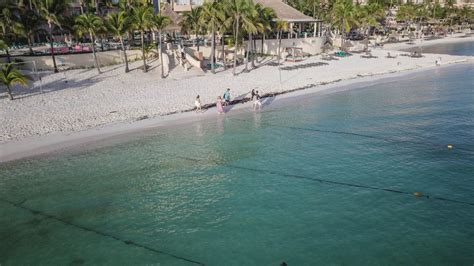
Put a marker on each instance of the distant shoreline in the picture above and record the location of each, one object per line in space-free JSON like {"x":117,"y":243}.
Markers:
{"x":456,"y":38}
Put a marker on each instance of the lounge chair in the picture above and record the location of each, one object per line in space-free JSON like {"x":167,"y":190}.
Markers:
{"x":341,"y":54}
{"x":390,"y":56}
{"x":328,"y":57}
{"x":368,"y":55}
{"x":416,"y":55}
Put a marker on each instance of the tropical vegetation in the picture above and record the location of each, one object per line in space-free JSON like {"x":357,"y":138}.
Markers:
{"x":10,"y":76}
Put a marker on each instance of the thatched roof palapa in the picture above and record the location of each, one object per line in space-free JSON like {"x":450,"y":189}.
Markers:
{"x":286,"y":12}
{"x":166,"y":10}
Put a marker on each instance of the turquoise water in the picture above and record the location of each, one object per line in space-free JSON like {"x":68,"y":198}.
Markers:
{"x":461,"y":48}
{"x":302,"y":182}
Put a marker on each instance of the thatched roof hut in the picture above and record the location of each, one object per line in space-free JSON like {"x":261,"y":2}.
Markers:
{"x":286,"y":12}
{"x":166,"y":10}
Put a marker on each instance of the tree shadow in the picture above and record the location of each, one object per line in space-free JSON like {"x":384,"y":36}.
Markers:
{"x":268,"y":62}
{"x":302,"y":66}
{"x":115,"y":68}
{"x":56,"y":85}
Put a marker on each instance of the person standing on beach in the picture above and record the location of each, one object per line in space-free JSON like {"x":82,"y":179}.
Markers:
{"x":227,"y":96}
{"x":253,"y":94}
{"x":183,"y":54}
{"x":257,"y":104}
{"x":220,"y":109}
{"x":197,"y":102}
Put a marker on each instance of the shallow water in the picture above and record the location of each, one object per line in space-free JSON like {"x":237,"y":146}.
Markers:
{"x":302,"y":182}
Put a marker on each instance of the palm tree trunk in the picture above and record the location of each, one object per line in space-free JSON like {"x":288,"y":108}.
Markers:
{"x":52,"y":49}
{"x":253,"y":50}
{"x":235,"y":45}
{"x":247,"y":52}
{"x":161,"y":55}
{"x":213,"y":52}
{"x":124,"y":55}
{"x":223,"y":51}
{"x":97,"y":7}
{"x":30,"y":45}
{"x":143,"y":51}
{"x":9,"y":92}
{"x":82,"y":7}
{"x":263,"y":42}
{"x":279,"y":46}
{"x":94,"y":54}
{"x":197,"y":41}
{"x":9,"y":59}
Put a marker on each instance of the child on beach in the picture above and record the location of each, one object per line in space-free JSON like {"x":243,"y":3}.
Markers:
{"x":197,"y":102}
{"x":220,"y":109}
{"x":253,"y":94}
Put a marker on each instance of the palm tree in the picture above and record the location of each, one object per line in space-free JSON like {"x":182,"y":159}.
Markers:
{"x":251,"y":25}
{"x":344,"y":16}
{"x":314,"y":4}
{"x":192,"y":23}
{"x":31,"y":22}
{"x":141,"y":21}
{"x":450,"y":11}
{"x":406,"y":13}
{"x":10,"y":27}
{"x":50,"y":11}
{"x":10,"y":76}
{"x":266,"y":15}
{"x":225,"y":23}
{"x":281,"y":26}
{"x":465,"y":14}
{"x":239,"y":11}
{"x":118,"y":24}
{"x":212,"y":16}
{"x":159,"y":23}
{"x":91,"y":24}
{"x":369,"y":16}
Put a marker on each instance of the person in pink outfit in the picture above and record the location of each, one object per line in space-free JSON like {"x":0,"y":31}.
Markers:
{"x":220,"y":109}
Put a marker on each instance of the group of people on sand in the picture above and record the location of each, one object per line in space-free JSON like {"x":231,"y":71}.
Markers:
{"x":225,"y":100}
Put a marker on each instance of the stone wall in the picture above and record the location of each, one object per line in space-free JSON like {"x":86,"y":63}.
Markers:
{"x":311,"y":46}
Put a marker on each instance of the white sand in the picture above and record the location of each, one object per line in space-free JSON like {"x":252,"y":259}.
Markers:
{"x":90,"y":100}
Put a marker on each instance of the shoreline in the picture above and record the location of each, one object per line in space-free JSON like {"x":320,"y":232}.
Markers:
{"x":121,"y":131}
{"x":115,"y":103}
{"x":455,"y":38}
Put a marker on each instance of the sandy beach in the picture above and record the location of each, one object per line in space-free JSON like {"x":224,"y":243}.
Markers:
{"x":115,"y":102}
